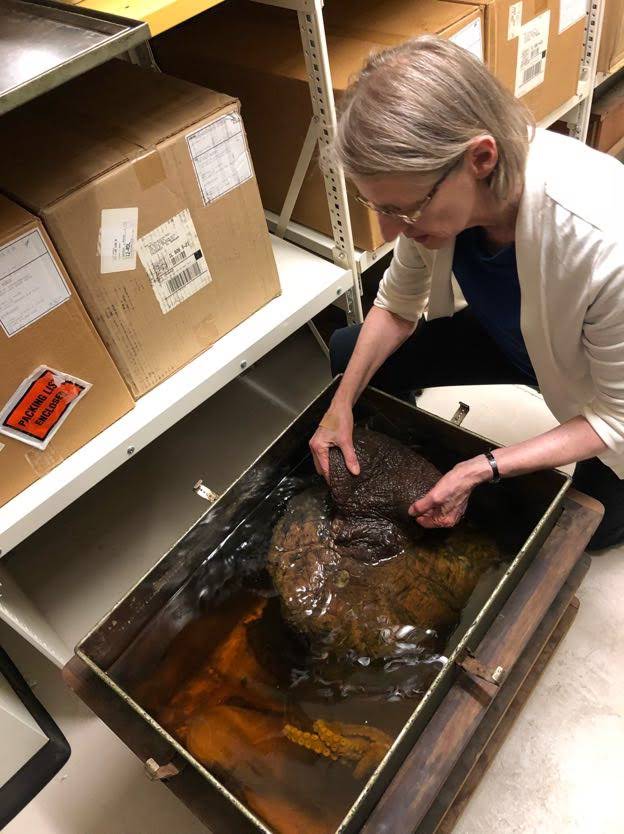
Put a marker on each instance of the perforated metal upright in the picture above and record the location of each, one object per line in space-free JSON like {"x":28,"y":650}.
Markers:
{"x":312,"y":29}
{"x":578,"y":118}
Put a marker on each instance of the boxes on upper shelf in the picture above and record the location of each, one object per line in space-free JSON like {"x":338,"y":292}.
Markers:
{"x":58,"y":385}
{"x":611,"y":52}
{"x":534,"y":47}
{"x":145,"y":184}
{"x":256,"y":54}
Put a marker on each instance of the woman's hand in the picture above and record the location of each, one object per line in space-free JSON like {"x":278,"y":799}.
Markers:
{"x":335,"y":429}
{"x":445,"y":504}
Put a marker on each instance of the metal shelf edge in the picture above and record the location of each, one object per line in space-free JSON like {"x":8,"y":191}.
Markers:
{"x":560,"y":111}
{"x":133,"y":33}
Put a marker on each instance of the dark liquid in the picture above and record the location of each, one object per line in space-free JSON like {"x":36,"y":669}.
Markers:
{"x":235,"y":678}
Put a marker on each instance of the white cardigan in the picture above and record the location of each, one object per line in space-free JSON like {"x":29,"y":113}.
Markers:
{"x":570,"y":255}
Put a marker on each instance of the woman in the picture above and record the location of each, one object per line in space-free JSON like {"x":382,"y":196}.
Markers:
{"x":529,"y":223}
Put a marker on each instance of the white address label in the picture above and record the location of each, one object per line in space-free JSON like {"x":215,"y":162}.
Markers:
{"x":532,"y":54}
{"x":571,"y":11}
{"x":31,"y":284}
{"x":220,"y":156}
{"x":515,"y":21}
{"x":173,"y":259}
{"x":470,"y":38}
{"x":118,"y":234}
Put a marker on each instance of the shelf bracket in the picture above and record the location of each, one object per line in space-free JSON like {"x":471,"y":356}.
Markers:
{"x":301,"y":169}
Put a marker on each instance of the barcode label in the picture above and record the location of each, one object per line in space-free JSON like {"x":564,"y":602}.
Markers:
{"x":532,"y":52}
{"x":173,"y":259}
{"x":177,"y":258}
{"x":185,"y":277}
{"x":531,"y":73}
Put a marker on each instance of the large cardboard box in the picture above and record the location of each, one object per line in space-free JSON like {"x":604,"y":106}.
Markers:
{"x":146,"y":186}
{"x":534,"y":48}
{"x":611,"y":52}
{"x":255,"y":54}
{"x":44,"y":329}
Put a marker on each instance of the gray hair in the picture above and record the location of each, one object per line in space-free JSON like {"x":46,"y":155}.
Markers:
{"x":414,"y":108}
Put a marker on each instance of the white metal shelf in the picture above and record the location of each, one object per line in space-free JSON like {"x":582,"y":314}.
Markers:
{"x":309,"y":284}
{"x":560,"y":112}
{"x":324,"y":245}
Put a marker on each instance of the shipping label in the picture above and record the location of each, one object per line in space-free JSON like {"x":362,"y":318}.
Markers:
{"x":40,"y":406}
{"x":470,"y":38}
{"x":532,"y":53}
{"x":220,"y":156}
{"x":118,"y":234}
{"x":31,"y":283}
{"x":173,"y":259}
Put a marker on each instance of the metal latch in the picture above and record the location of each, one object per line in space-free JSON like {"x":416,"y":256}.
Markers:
{"x":468,"y":663}
{"x":458,"y":417}
{"x":157,"y":772}
{"x":205,"y":492}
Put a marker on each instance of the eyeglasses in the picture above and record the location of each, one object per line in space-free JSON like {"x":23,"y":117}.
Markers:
{"x":415,"y":215}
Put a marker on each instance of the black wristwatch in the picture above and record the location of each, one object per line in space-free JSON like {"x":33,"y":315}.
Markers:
{"x":495,"y":473}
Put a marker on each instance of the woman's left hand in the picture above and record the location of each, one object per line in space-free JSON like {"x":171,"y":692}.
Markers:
{"x":445,"y":504}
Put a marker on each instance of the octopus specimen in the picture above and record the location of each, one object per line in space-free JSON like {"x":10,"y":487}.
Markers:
{"x":356,"y":573}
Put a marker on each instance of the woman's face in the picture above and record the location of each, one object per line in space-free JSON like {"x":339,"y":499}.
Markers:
{"x":462,"y":200}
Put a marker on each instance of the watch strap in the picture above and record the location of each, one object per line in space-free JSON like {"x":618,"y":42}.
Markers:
{"x":495,"y":473}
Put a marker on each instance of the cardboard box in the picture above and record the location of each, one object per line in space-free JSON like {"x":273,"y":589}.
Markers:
{"x":44,"y":325}
{"x":534,"y":48}
{"x":255,"y":53}
{"x":606,"y":122}
{"x":145,"y":184}
{"x":611,"y":52}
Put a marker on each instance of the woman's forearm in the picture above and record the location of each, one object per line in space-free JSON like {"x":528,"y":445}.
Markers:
{"x":570,"y":442}
{"x":381,"y":334}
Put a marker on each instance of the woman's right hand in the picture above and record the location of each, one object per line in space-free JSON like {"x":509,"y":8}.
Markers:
{"x":335,"y":429}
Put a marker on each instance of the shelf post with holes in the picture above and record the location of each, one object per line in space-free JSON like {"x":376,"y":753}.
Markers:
{"x":314,"y":42}
{"x":578,"y":119}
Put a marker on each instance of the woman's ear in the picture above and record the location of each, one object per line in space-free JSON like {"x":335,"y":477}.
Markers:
{"x":482,"y":156}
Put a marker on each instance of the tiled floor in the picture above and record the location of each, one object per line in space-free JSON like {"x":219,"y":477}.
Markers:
{"x":559,"y":772}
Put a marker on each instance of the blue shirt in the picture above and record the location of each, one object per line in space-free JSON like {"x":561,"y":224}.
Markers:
{"x":491,"y":287}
